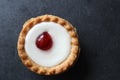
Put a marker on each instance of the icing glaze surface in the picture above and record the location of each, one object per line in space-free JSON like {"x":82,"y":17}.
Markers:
{"x":60,"y":48}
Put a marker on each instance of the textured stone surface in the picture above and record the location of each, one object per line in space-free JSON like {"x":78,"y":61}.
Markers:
{"x":98,"y":26}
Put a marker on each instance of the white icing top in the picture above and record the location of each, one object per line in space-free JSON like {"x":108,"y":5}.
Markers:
{"x":59,"y":50}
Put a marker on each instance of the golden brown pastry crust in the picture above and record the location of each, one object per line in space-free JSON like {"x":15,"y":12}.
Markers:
{"x":75,"y":48}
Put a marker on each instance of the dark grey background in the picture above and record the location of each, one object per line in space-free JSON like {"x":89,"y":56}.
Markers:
{"x":98,"y":26}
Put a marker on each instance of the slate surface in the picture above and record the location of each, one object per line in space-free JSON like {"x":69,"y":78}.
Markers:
{"x":98,"y":26}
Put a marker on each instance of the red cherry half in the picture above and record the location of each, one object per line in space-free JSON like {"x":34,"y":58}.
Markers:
{"x":44,"y":41}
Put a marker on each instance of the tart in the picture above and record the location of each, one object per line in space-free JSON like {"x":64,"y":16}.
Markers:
{"x":48,"y":45}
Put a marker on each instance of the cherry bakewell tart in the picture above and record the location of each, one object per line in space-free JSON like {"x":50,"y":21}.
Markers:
{"x":48,"y":45}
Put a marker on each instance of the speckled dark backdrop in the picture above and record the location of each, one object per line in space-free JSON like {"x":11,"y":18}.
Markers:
{"x":98,"y":26}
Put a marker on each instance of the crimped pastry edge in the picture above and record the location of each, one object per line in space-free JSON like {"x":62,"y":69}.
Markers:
{"x":26,"y":60}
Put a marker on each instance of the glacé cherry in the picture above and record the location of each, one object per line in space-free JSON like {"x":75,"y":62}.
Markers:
{"x":44,"y":41}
